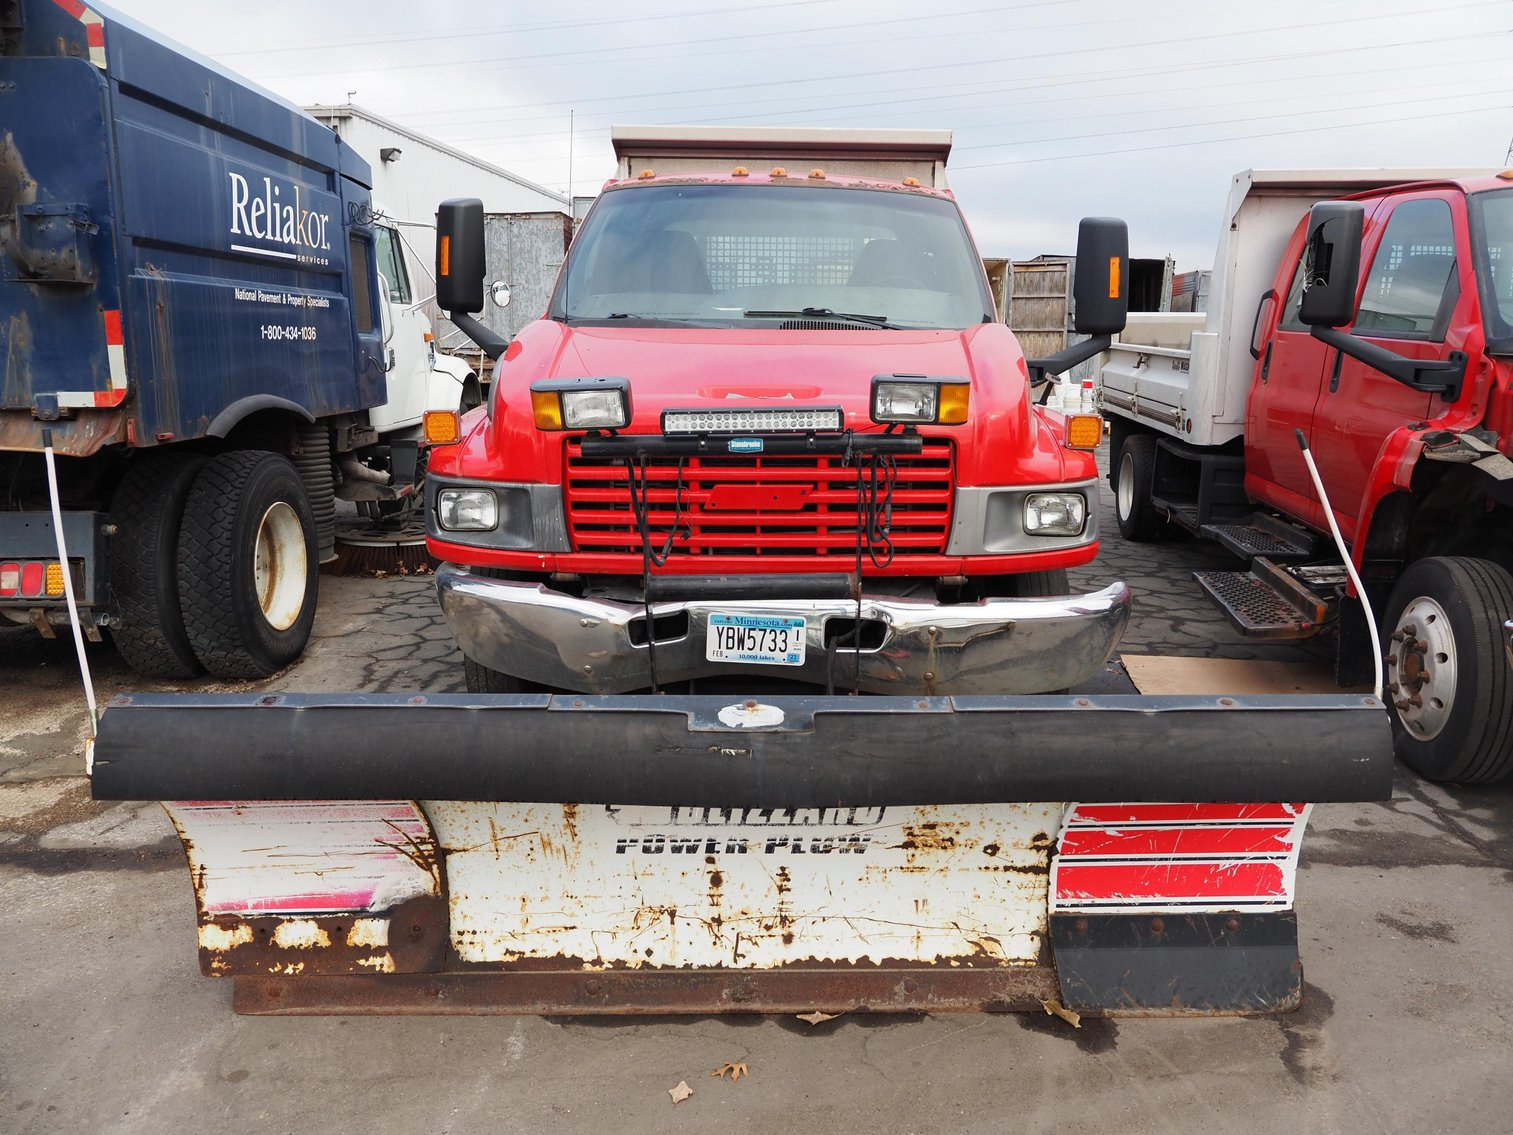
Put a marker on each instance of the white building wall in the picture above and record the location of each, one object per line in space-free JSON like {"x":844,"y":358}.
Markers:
{"x":427,"y":172}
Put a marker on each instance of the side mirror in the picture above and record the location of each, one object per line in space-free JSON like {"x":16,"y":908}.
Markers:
{"x":1332,"y":263}
{"x":459,"y":255}
{"x":499,"y":292}
{"x":386,"y":308}
{"x":1101,"y":290}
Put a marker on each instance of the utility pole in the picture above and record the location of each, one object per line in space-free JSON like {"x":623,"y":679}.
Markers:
{"x":569,"y":159}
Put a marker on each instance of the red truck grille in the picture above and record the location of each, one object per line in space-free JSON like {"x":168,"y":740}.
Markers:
{"x":749,"y":505}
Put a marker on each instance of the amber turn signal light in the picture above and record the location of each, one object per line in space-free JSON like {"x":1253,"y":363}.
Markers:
{"x":1084,"y":431}
{"x":442,"y":427}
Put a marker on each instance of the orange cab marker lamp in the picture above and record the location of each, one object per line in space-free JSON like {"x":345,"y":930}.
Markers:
{"x":442,"y":427}
{"x":444,"y":257}
{"x":1084,"y":431}
{"x":740,"y":171}
{"x":912,"y":182}
{"x":547,"y":408}
{"x":954,"y":397}
{"x":1506,"y":175}
{"x":646,"y":173}
{"x":778,"y":171}
{"x":817,"y":174}
{"x":1113,"y":277}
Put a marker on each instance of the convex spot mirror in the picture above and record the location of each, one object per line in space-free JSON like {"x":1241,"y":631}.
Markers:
{"x":1101,"y":290}
{"x":499,"y":292}
{"x":459,"y":255}
{"x":1331,"y":263}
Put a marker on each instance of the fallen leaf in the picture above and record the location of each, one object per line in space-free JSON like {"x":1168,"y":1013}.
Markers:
{"x":736,"y":1070}
{"x":817,"y":1017}
{"x":1055,"y":1008}
{"x":681,"y":1092}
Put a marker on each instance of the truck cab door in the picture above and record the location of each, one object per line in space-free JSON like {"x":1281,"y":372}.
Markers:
{"x":1411,"y":291}
{"x":406,"y":353}
{"x":1284,"y":391}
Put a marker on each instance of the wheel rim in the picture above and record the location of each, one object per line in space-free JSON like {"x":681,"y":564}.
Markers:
{"x":279,"y":566}
{"x":1422,"y":669}
{"x":1125,"y":494}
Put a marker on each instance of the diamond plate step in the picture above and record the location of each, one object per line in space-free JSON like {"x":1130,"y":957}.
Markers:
{"x":1266,"y":602}
{"x":1261,"y":535}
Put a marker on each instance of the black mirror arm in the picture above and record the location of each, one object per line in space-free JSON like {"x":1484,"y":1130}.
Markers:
{"x":1065,"y":359}
{"x":1433,"y":376}
{"x":493,"y":345}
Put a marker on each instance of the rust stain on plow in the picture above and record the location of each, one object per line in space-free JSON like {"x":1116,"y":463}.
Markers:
{"x":885,"y":988}
{"x":409,"y":938}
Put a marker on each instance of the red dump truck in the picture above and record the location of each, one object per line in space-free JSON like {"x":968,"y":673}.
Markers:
{"x":1378,"y":329}
{"x":767,"y":450}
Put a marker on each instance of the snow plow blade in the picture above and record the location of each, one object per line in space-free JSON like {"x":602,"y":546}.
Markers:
{"x":779,"y":753}
{"x":626,"y":855}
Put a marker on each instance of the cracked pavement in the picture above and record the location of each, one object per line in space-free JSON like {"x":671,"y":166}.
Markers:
{"x":107,"y":1026}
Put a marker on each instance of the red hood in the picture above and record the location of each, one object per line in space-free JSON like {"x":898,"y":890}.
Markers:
{"x":739,"y":367}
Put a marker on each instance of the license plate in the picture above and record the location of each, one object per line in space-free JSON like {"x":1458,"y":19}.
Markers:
{"x":766,"y":640}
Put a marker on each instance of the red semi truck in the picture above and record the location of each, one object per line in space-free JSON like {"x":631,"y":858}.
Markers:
{"x":1379,"y":330}
{"x":768,"y":447}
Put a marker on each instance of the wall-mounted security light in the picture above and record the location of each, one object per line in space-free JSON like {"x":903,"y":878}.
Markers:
{"x":389,"y":154}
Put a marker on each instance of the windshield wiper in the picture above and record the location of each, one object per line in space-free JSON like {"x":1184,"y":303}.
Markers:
{"x":823,"y":313}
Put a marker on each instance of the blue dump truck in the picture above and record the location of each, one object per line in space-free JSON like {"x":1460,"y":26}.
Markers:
{"x":195,"y":315}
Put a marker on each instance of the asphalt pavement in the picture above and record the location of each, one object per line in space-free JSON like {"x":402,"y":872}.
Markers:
{"x":107,"y":1026}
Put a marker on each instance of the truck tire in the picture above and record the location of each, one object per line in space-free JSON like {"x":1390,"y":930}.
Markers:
{"x":247,"y":565}
{"x":1446,"y":649}
{"x":148,"y":625}
{"x":481,"y":680}
{"x":1039,"y":584}
{"x":1134,"y":482}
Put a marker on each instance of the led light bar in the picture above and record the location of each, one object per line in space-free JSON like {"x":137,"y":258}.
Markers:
{"x":751,"y":421}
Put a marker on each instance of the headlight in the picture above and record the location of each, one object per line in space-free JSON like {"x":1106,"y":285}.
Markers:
{"x":1055,"y":514}
{"x":467,"y":510}
{"x":912,"y":399}
{"x":581,"y":403}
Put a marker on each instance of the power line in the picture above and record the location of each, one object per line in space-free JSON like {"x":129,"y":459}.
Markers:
{"x":996,"y":61}
{"x":1229,"y":138}
{"x":512,"y":29}
{"x":1040,"y":83}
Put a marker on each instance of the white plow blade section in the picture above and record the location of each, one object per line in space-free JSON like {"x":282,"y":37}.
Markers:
{"x":606,"y":887}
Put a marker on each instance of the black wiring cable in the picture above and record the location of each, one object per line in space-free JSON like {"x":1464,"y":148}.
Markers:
{"x":639,"y":481}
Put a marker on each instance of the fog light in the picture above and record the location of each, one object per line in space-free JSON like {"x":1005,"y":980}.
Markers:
{"x":1055,"y":514}
{"x":467,"y":510}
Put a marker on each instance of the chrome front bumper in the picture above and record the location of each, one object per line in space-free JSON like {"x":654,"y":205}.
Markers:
{"x":998,"y":646}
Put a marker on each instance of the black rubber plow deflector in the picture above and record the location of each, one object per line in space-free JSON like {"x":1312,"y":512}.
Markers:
{"x":1166,"y":963}
{"x":670,"y":750}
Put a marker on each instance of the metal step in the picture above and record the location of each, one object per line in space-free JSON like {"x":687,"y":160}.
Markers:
{"x":1267,"y":602}
{"x":1262,"y":535}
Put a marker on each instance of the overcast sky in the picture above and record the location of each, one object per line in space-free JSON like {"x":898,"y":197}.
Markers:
{"x":1060,"y":108}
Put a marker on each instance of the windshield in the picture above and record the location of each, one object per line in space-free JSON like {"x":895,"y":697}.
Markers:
{"x":726,"y":255}
{"x":1492,"y":247}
